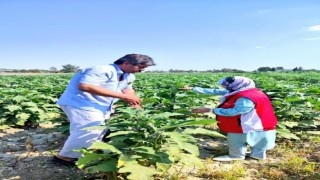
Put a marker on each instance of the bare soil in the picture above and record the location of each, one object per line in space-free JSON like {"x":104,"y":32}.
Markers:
{"x":26,"y":154}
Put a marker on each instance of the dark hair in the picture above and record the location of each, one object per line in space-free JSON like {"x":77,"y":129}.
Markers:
{"x":136,"y":59}
{"x":229,"y":79}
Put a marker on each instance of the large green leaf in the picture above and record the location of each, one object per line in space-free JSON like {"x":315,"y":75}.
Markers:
{"x":127,"y":159}
{"x":164,"y":156}
{"x":52,"y":115}
{"x":176,"y":155}
{"x":166,"y":115}
{"x":144,"y":150}
{"x":22,"y":118}
{"x":43,"y":116}
{"x":293,"y":113}
{"x":290,"y":124}
{"x":29,"y":104}
{"x":35,"y":110}
{"x":138,"y":172}
{"x":190,"y":123}
{"x":19,"y":98}
{"x":203,"y":131}
{"x":104,"y":146}
{"x":163,"y":166}
{"x":190,"y":160}
{"x":170,"y":150}
{"x":183,"y":142}
{"x":12,"y":108}
{"x":108,"y":165}
{"x":309,"y":123}
{"x":314,"y":132}
{"x":119,"y":133}
{"x":149,"y":100}
{"x":4,"y":126}
{"x":285,"y":133}
{"x":83,"y":161}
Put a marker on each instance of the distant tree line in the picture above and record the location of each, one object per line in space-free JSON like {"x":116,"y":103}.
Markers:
{"x":265,"y":69}
{"x":69,"y":68}
{"x":281,"y":69}
{"x":214,"y":70}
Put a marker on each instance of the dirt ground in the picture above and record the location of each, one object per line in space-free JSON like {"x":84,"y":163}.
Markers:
{"x":26,"y":154}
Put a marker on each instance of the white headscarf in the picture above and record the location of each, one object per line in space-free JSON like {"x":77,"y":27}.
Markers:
{"x":235,"y":84}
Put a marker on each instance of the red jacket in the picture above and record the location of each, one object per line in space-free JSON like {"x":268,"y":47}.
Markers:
{"x":261,"y":118}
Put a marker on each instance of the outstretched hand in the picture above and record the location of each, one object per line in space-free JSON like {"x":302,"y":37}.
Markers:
{"x":201,"y":110}
{"x":186,"y":88}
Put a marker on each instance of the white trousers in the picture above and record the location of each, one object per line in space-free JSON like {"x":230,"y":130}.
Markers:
{"x":78,"y":137}
{"x":259,"y":142}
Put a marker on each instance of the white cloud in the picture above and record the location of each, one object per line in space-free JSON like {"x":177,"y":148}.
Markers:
{"x":258,"y":47}
{"x":314,"y":28}
{"x":313,"y":39}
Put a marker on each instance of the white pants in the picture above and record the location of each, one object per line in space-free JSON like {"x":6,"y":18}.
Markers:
{"x":259,"y":142}
{"x":79,"y":138}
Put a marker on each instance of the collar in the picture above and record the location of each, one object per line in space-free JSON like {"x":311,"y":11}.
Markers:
{"x":121,"y":75}
{"x":119,"y":71}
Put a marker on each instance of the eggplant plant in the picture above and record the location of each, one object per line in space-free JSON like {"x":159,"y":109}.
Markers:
{"x":144,"y":143}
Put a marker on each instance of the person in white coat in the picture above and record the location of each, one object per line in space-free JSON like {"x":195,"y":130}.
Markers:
{"x":88,"y":99}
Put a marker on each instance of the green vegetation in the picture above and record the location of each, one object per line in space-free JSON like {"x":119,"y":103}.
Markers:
{"x":165,"y":132}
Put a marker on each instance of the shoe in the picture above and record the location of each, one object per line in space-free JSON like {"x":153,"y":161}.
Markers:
{"x":105,"y":136}
{"x":227,"y":158}
{"x":55,"y":159}
{"x":251,"y":157}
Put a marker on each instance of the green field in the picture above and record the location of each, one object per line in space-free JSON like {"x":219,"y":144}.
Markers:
{"x":165,"y":133}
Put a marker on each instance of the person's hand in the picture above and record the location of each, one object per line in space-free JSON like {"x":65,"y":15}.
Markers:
{"x":132,"y":100}
{"x":186,"y":88}
{"x":201,"y":110}
{"x":136,"y":106}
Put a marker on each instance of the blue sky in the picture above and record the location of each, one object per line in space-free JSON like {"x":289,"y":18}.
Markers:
{"x":178,"y":34}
